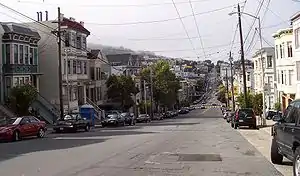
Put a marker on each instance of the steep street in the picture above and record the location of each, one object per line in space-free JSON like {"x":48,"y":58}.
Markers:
{"x":199,"y":143}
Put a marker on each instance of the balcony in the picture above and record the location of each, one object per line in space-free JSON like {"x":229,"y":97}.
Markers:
{"x":20,"y":69}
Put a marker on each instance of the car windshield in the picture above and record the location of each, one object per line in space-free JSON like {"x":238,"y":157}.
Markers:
{"x":248,"y":112}
{"x":10,"y":121}
{"x":111,"y":116}
{"x":70,"y":117}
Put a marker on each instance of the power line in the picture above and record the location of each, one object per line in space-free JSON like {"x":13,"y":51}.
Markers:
{"x":198,"y":30}
{"x":49,"y":27}
{"x":114,"y":5}
{"x":278,"y":16}
{"x":187,"y":34}
{"x":158,"y":21}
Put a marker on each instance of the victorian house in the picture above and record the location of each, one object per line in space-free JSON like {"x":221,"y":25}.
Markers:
{"x":19,"y":63}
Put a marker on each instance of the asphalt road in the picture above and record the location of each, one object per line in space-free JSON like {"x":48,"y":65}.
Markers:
{"x":197,"y":144}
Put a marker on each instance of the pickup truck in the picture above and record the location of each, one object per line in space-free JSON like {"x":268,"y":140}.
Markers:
{"x":286,"y":136}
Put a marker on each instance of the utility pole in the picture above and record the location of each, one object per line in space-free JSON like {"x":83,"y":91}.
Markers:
{"x":232,"y":86}
{"x":61,"y":105}
{"x":151,"y":93}
{"x":264,"y":121}
{"x":242,"y":55}
{"x":67,"y":79}
{"x":145,"y":96}
{"x":227,"y":89}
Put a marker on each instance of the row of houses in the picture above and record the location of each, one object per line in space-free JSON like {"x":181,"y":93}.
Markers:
{"x":277,"y":72}
{"x":29,"y":55}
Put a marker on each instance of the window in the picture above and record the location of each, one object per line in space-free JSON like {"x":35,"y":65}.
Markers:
{"x":79,"y":67}
{"x":7,"y":54}
{"x":269,"y":62}
{"x":285,"y":77}
{"x":248,"y":76}
{"x":84,"y":68}
{"x":297,"y":38}
{"x":280,"y":48}
{"x":74,"y":66}
{"x":33,"y":120}
{"x":21,"y":54}
{"x":35,"y":56}
{"x":16,"y":54}
{"x":21,"y":81}
{"x":27,"y":80}
{"x":291,"y":114}
{"x":282,"y":78}
{"x":298,"y":70}
{"x":92,"y":73}
{"x":98,"y":93}
{"x":283,"y":51}
{"x":276,"y":51}
{"x":73,"y":36}
{"x":74,"y":93}
{"x":70,"y":93}
{"x":78,"y":42}
{"x":16,"y":81}
{"x":67,"y":39}
{"x":69,"y":67}
{"x":31,"y":56}
{"x":290,"y":77}
{"x":290,"y":49}
{"x":278,"y":77}
{"x":83,"y":42}
{"x":26,"y":55}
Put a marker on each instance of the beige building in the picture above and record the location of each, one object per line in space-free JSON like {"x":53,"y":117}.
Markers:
{"x":75,"y":71}
{"x":267,"y":63}
{"x":285,"y":66}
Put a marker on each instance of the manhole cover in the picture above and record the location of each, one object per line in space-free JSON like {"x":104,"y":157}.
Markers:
{"x":198,"y":157}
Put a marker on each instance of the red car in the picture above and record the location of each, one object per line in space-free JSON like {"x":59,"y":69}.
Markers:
{"x":14,"y":129}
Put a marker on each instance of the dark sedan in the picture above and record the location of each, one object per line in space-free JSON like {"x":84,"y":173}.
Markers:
{"x":143,"y":118}
{"x":113,"y":120}
{"x":14,"y":129}
{"x":183,"y":111}
{"x":72,"y":122}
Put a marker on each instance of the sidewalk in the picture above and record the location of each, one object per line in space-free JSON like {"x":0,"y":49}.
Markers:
{"x":261,"y":139}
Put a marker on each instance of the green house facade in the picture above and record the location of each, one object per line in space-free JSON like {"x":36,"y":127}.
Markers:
{"x":19,"y":60}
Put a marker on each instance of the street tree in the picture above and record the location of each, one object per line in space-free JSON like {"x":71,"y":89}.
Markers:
{"x":21,"y":97}
{"x":165,"y":83}
{"x":121,"y":89}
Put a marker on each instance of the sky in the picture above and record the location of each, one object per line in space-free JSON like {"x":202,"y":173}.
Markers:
{"x":155,"y":25}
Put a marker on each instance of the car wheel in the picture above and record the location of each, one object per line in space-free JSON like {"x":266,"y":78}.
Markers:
{"x":87,"y":128}
{"x":16,"y":136}
{"x":276,"y":157}
{"x":41,"y":133}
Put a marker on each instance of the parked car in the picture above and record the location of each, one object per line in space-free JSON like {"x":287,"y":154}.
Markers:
{"x":202,"y":107}
{"x":175,"y":113}
{"x":244,"y":117}
{"x":129,"y":118}
{"x":270,"y":114}
{"x":158,"y":116}
{"x":72,"y":122}
{"x":191,"y":108}
{"x":113,"y":119}
{"x":183,"y":111}
{"x":143,"y":118}
{"x":286,"y":136}
{"x":14,"y":129}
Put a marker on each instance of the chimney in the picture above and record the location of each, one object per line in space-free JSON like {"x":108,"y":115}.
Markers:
{"x":81,"y":23}
{"x":72,"y":19}
{"x":41,"y":16}
{"x":46,"y":15}
{"x":62,"y":16}
{"x":38,"y":16}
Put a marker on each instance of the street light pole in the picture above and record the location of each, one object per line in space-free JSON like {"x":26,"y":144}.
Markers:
{"x":264,"y":122}
{"x":242,"y":55}
{"x":232,"y":86}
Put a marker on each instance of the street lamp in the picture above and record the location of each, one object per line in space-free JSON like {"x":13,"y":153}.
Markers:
{"x":261,"y":57}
